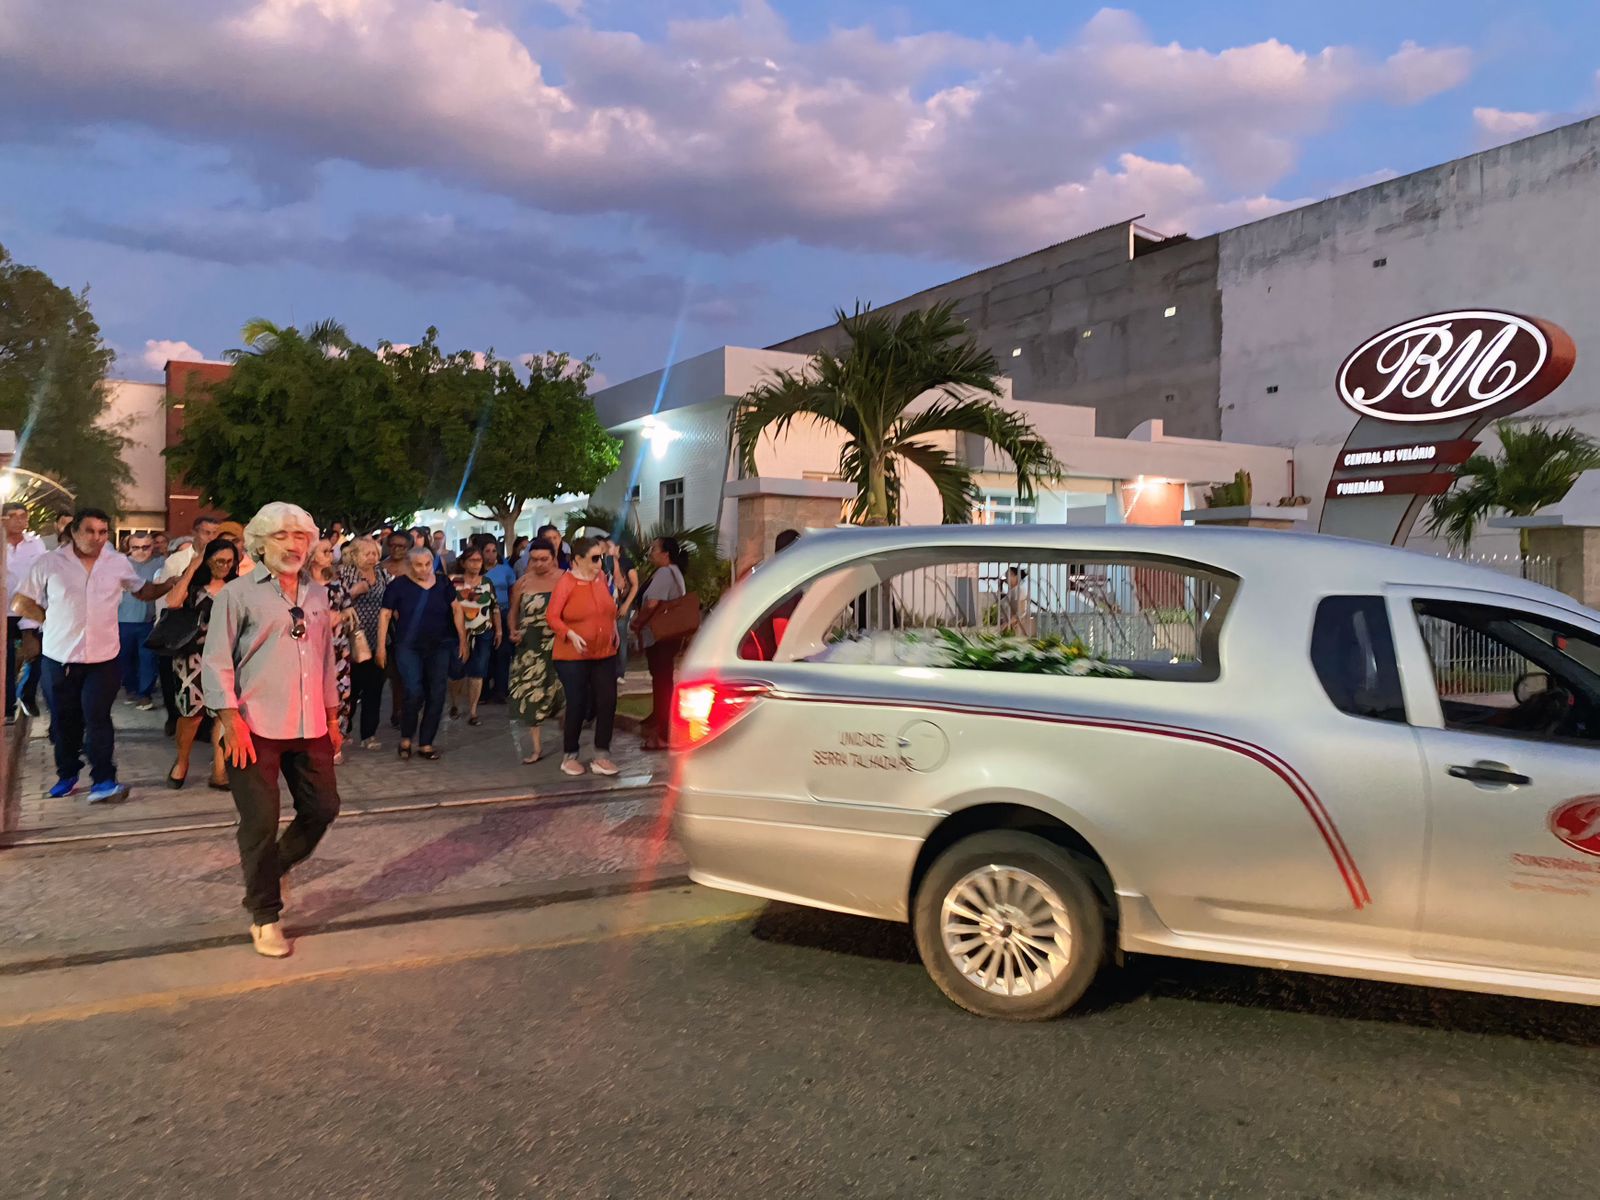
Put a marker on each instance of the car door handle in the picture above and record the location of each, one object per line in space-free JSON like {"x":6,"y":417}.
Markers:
{"x":1493,"y":773}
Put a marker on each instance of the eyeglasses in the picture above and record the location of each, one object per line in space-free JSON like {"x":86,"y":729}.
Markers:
{"x":298,"y":616}
{"x":596,"y":557}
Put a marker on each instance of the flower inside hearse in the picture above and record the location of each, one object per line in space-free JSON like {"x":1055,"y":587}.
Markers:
{"x":980,"y":651}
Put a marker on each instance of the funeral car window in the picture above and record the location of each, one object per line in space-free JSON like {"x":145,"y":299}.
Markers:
{"x":1352,"y":651}
{"x":1032,"y":612}
{"x":1503,"y":671}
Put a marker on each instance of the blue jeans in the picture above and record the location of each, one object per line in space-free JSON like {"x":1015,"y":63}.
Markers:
{"x":424,"y":671}
{"x":80,"y":697}
{"x":138,"y":662}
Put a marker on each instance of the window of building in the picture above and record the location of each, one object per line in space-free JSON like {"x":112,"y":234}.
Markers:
{"x":1380,"y":262}
{"x":1002,"y":508}
{"x":672,"y":512}
{"x":1353,"y":653}
{"x":1088,"y":333}
{"x":1272,"y":389}
{"x":1500,"y":671}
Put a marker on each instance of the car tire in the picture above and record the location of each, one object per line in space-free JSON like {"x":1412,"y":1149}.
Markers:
{"x":1002,"y":965}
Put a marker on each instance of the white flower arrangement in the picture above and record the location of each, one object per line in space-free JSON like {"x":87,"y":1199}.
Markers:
{"x":940,"y":647}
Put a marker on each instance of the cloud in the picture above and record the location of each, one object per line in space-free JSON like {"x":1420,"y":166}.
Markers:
{"x":158,"y":352}
{"x":726,"y":131}
{"x":1496,"y":125}
{"x":550,"y":277}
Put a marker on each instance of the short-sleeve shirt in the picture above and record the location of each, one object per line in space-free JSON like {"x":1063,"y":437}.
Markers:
{"x":370,"y":602}
{"x":19,"y":561}
{"x":131,"y":608}
{"x":504,"y":578}
{"x":80,"y":604}
{"x":425,"y":615}
{"x":665,"y":584}
{"x":477,"y":603}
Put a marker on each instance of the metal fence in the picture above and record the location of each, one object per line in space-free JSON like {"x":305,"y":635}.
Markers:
{"x":1469,"y":663}
{"x":1536,"y":568}
{"x":1127,"y":611}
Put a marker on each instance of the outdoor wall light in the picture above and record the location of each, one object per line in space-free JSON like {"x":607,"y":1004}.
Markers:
{"x":1016,"y":352}
{"x":659,"y":436}
{"x":1171,"y":312}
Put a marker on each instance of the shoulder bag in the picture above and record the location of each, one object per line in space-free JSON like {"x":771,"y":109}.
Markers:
{"x":177,"y":632}
{"x":675,"y":618}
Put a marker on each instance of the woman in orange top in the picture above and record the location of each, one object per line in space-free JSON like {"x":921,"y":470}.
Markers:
{"x":583,"y":615}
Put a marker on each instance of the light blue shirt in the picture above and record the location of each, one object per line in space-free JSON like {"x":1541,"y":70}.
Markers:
{"x":140,"y":612}
{"x":504,"y":578}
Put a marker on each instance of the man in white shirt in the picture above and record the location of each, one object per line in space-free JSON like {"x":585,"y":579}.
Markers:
{"x":74,"y":592}
{"x":23,"y":549}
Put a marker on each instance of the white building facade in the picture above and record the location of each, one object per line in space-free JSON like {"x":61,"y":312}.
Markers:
{"x":679,"y":457}
{"x":1515,"y":229}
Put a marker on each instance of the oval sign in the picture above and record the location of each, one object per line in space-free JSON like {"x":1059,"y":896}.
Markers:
{"x":1577,"y":823}
{"x":1455,"y":364}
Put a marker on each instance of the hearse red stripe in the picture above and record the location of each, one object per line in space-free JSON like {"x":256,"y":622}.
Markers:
{"x":1309,"y":800}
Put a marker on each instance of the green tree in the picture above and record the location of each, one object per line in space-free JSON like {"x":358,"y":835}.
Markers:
{"x":517,"y":440}
{"x":1536,"y":468}
{"x":867,"y":390}
{"x":53,"y":367}
{"x":307,"y":417}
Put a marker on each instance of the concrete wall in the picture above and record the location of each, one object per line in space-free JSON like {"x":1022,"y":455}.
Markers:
{"x":137,"y":411}
{"x":1515,"y":228}
{"x":1135,"y":365}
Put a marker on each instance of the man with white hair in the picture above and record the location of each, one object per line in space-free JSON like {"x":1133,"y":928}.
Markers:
{"x":268,"y":672}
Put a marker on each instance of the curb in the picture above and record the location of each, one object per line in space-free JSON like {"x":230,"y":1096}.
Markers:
{"x":426,"y":802}
{"x":394,"y":912}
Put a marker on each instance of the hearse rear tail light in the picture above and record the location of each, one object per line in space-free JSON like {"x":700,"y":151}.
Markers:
{"x":704,"y":708}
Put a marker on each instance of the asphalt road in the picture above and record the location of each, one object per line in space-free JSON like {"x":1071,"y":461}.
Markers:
{"x":797,"y":1054}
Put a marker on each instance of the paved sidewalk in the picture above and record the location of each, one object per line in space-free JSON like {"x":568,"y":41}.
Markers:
{"x":131,"y":896}
{"x":477,"y":762}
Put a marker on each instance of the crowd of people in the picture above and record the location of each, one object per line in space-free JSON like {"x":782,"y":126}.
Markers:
{"x":276,"y":643}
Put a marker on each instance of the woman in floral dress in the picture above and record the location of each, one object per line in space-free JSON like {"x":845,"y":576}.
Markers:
{"x":341,"y":608}
{"x":535,"y":692}
{"x":211,"y":569}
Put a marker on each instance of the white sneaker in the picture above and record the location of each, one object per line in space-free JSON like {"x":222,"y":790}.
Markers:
{"x":269,"y":940}
{"x":571,"y":766}
{"x":604,"y":766}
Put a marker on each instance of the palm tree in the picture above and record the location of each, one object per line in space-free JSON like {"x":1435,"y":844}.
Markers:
{"x":1536,"y":468}
{"x":261,"y":335}
{"x":867,"y":392}
{"x":708,"y":574}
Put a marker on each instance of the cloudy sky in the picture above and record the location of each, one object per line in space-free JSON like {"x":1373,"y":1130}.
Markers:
{"x":604,"y":176}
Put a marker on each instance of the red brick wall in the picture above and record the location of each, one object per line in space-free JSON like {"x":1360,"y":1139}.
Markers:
{"x":183,"y":501}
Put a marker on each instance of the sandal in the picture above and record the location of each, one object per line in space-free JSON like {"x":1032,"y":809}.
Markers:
{"x":473,"y":720}
{"x":405,"y":753}
{"x":220,"y":785}
{"x":430,"y":755}
{"x":528,"y":762}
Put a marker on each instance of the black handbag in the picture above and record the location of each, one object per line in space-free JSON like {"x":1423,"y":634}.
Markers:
{"x":177,"y":632}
